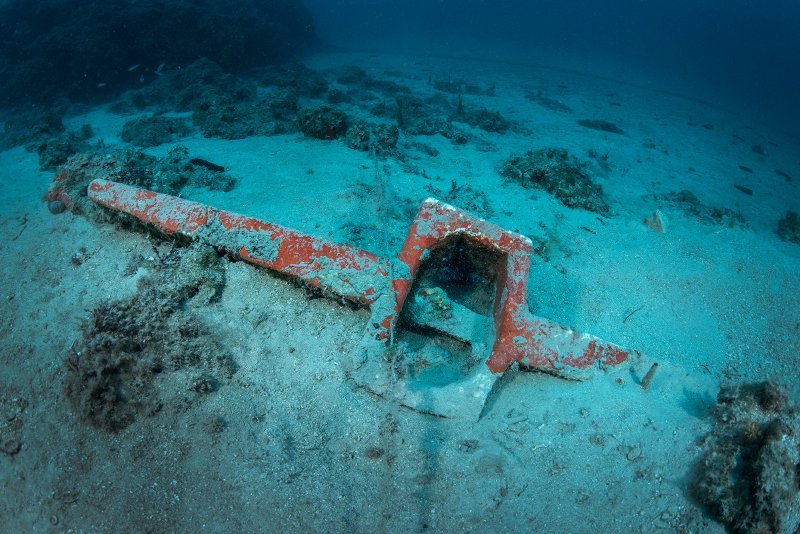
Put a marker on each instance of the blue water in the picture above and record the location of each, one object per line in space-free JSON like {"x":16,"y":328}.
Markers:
{"x":739,"y":54}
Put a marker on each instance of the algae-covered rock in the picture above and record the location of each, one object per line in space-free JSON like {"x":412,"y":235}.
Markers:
{"x":201,"y":83}
{"x":40,"y":129}
{"x":558,"y":173}
{"x":293,"y":77}
{"x":416,"y":116}
{"x":463,"y":196}
{"x":366,"y":136}
{"x":548,"y":103}
{"x":488,"y":121}
{"x":222,"y":105}
{"x":337,"y":96}
{"x":789,"y":227}
{"x":177,"y":170}
{"x":356,"y":77}
{"x":169,"y":174}
{"x":267,"y":115}
{"x":601,"y":125}
{"x":57,"y":150}
{"x":129,"y":343}
{"x":153,"y":131}
{"x":688,"y":202}
{"x":323,"y":122}
{"x":93,"y":49}
{"x":233,"y":120}
{"x":749,"y":475}
{"x":32,"y":126}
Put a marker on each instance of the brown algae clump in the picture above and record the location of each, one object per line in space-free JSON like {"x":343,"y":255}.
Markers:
{"x":558,"y":173}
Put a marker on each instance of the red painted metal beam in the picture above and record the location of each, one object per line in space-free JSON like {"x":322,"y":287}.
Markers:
{"x":521,"y":337}
{"x":343,"y":270}
{"x":378,"y":283}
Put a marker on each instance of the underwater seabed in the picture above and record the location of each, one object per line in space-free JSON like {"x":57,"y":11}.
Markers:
{"x":161,"y":383}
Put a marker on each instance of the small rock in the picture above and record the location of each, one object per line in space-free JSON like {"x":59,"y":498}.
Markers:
{"x":56,"y":206}
{"x":597,"y":439}
{"x":468,"y":445}
{"x":657,"y":221}
{"x":11,"y":446}
{"x":634,"y":453}
{"x":204,"y":384}
{"x":373,"y":453}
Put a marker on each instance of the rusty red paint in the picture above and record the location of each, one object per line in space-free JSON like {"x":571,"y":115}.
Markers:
{"x":232,"y":221}
{"x":520,"y":336}
{"x":363,"y":277}
{"x":590,"y":354}
{"x":58,"y":193}
{"x":144,"y":194}
{"x":368,"y":296}
{"x":98,"y":186}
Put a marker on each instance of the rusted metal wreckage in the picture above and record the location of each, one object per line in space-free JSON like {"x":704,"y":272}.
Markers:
{"x":457,"y":279}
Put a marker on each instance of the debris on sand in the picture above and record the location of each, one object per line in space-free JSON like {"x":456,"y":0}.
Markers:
{"x":134,"y":349}
{"x":560,"y":174}
{"x":749,"y":475}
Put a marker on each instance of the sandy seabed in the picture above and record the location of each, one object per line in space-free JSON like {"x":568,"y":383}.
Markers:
{"x":289,"y":443}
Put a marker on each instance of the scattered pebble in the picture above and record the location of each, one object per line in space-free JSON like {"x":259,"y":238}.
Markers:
{"x":11,"y":447}
{"x":56,"y":206}
{"x":634,"y":453}
{"x":468,"y":445}
{"x":657,"y":222}
{"x":373,"y":453}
